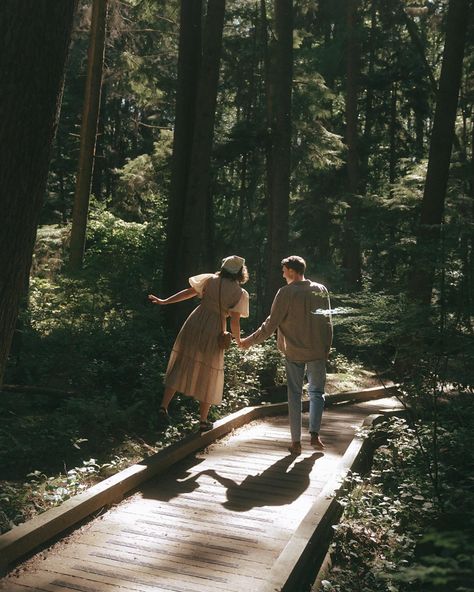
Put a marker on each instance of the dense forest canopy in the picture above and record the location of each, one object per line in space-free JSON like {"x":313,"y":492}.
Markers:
{"x":264,"y":128}
{"x":342,"y":131}
{"x":395,"y":94}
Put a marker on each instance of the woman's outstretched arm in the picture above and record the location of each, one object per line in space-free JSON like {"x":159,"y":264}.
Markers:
{"x":178,"y":297}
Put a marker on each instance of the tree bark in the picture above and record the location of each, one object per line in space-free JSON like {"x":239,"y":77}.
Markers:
{"x":392,"y":167}
{"x":432,"y":206}
{"x":369,"y":98}
{"x":100,"y":165}
{"x":352,"y":250}
{"x":189,"y":60}
{"x":281,"y":79}
{"x":34,"y":42}
{"x":418,"y":43}
{"x":90,"y":117}
{"x":191,"y":252}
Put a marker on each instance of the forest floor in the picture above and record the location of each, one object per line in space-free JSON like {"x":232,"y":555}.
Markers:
{"x":339,"y":382}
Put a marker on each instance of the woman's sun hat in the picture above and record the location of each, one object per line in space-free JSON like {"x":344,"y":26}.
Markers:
{"x":233,"y":264}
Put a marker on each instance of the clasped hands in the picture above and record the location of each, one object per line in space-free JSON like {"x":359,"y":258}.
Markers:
{"x":244,"y":343}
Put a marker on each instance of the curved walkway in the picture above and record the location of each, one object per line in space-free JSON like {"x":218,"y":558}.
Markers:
{"x":218,"y":520}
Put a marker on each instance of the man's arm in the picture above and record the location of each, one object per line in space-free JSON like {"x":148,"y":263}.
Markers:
{"x":278,"y":312}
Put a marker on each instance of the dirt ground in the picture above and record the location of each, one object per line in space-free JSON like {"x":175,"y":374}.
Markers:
{"x":362,"y":379}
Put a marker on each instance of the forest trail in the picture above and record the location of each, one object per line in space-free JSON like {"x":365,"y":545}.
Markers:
{"x":218,"y":520}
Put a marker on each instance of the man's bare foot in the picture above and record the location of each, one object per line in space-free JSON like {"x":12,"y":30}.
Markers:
{"x":295,"y":448}
{"x":316,"y":442}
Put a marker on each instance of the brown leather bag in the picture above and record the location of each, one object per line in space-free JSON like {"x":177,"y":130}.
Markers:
{"x":224,"y":339}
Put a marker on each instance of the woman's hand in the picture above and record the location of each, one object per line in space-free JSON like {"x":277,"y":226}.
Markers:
{"x":179,"y":297}
{"x":155,"y":300}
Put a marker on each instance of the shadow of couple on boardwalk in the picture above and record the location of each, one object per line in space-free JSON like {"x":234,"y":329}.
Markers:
{"x":274,"y":486}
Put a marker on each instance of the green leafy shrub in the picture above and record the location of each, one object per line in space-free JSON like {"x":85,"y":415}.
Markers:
{"x":409,"y":526}
{"x":41,"y":492}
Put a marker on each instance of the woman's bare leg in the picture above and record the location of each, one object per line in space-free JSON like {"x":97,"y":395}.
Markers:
{"x":204,"y":410}
{"x":167,"y":396}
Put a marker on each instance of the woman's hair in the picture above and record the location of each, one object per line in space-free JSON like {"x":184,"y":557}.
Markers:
{"x":296,"y":263}
{"x":241,"y":276}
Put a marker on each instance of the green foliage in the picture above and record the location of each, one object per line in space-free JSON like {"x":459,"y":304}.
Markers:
{"x":408,"y":526}
{"x":142,"y":184}
{"x":40,"y":492}
{"x":250,"y":374}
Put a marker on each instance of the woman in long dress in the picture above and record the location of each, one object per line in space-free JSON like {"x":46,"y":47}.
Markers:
{"x":196,"y":364}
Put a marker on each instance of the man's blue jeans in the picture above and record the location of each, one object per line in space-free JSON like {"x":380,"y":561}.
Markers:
{"x":316,"y":374}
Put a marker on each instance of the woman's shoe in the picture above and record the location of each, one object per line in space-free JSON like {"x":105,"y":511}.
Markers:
{"x":205,"y":426}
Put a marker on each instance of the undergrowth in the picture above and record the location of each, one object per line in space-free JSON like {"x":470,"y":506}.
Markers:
{"x":51,"y":450}
{"x":409,"y":525}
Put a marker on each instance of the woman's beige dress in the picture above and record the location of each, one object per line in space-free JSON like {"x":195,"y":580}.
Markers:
{"x":196,"y":364}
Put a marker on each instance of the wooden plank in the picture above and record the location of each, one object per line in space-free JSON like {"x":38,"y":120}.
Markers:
{"x":229,"y":561}
{"x":118,"y":577}
{"x":218,"y":516}
{"x":166,"y":569}
{"x":205,"y":541}
{"x":184,"y":504}
{"x":12,"y":586}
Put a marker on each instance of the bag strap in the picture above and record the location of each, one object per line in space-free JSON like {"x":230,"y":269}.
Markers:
{"x":223,"y":322}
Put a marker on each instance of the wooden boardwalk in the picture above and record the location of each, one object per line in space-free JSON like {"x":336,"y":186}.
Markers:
{"x":217,"y":520}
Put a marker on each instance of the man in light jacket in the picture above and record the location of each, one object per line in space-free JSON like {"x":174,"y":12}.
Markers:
{"x":301,"y":315}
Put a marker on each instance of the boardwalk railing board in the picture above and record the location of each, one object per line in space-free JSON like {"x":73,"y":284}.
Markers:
{"x":300,"y":560}
{"x":26,"y":537}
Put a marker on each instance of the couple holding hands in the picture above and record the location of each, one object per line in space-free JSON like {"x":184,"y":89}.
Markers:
{"x":301,"y":315}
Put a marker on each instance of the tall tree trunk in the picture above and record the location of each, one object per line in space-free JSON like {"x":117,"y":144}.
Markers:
{"x":418,"y":43}
{"x":392,"y":167}
{"x":189,"y":59}
{"x":432,"y":206}
{"x":268,"y":90}
{"x":191,"y":252}
{"x":419,"y":113}
{"x":369,"y":99}
{"x":100,"y":148}
{"x":90,"y":116}
{"x":279,"y":191}
{"x":352,"y":250}
{"x":34,"y":41}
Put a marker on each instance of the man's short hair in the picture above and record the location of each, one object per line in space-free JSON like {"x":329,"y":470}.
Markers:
{"x":295,"y":262}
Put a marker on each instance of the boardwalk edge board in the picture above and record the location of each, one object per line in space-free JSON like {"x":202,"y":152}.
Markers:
{"x":34,"y":533}
{"x":306,"y":553}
